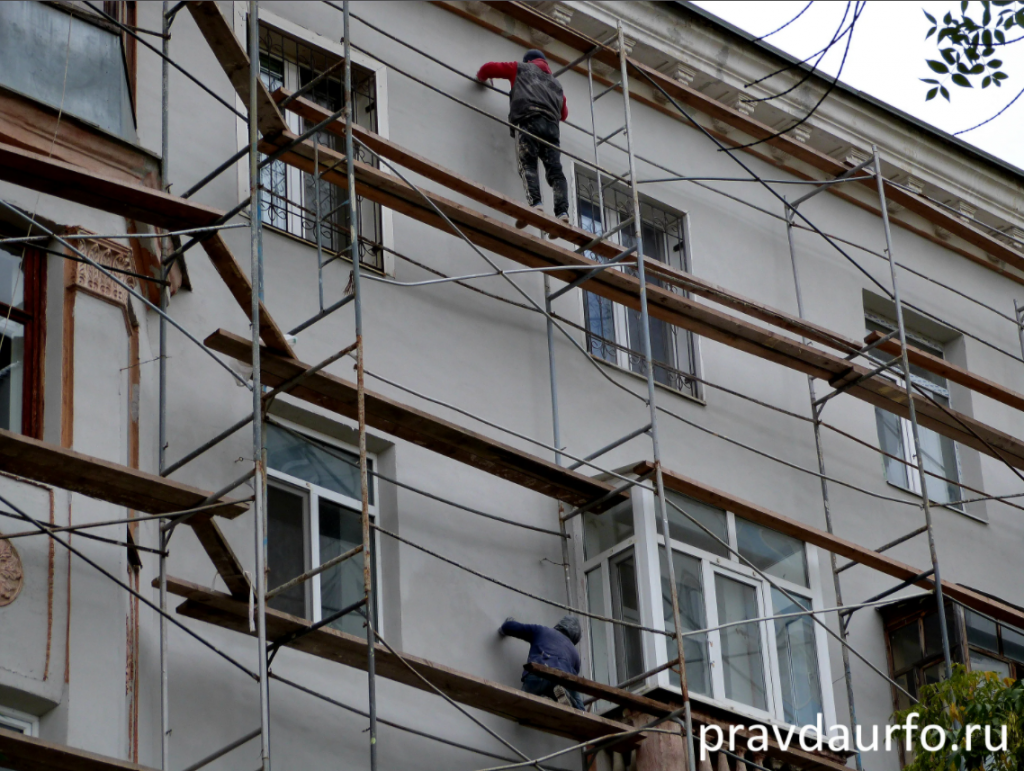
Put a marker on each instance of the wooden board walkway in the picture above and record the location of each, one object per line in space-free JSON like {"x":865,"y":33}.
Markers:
{"x":472,"y":691}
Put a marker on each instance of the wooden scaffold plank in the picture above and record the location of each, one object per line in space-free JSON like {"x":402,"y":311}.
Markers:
{"x":327,"y":643}
{"x":833,"y":543}
{"x":144,"y":204}
{"x":794,"y":756}
{"x":423,"y":429}
{"x":101,"y":479}
{"x":664,"y":304}
{"x":19,"y":752}
{"x":691,"y":97}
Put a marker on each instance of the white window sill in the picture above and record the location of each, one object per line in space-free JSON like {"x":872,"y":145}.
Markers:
{"x":643,"y":379}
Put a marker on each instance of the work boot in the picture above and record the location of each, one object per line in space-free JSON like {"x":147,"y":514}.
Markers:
{"x":522,"y":223}
{"x":564,"y":219}
{"x":562,"y":696}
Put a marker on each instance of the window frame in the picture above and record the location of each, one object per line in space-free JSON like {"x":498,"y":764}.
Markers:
{"x":646,"y":543}
{"x":310,"y":524}
{"x":333,"y":49}
{"x":623,"y":354}
{"x":32,"y":317}
{"x":906,"y":429}
{"x":16,"y":720}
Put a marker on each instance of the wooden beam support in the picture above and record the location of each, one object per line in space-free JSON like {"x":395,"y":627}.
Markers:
{"x":101,"y":479}
{"x":752,"y":127}
{"x":235,"y":61}
{"x":833,"y":543}
{"x":951,"y":372}
{"x":327,"y":643}
{"x":45,"y":175}
{"x":26,"y":753}
{"x":794,"y":756}
{"x":423,"y":429}
{"x":664,"y":304}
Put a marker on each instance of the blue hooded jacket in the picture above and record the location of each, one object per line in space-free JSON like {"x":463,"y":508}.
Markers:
{"x":547,"y":646}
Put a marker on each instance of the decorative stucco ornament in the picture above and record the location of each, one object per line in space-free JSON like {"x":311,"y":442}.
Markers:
{"x":12,"y":576}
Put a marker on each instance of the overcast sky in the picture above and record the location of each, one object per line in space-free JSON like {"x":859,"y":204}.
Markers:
{"x":887,"y":61}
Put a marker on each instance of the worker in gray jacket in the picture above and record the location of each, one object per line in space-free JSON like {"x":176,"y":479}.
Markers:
{"x":552,"y":647}
{"x":536,"y":106}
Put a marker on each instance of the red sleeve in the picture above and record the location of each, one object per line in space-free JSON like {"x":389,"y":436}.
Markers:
{"x":565,"y":108}
{"x":504,"y":70}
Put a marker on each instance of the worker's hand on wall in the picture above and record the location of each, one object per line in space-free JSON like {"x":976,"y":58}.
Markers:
{"x":501,"y":631}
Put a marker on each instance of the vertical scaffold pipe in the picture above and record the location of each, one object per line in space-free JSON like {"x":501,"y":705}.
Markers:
{"x":826,"y":504}
{"x":165,"y":712}
{"x":645,"y":339}
{"x":259,"y":479}
{"x":364,"y":485}
{"x":915,"y":431}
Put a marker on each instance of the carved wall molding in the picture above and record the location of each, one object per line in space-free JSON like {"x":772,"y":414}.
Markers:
{"x":12,"y":573}
{"x":109,"y":254}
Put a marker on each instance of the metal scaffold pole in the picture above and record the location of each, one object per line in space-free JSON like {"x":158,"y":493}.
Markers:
{"x":645,"y":339}
{"x":826,"y":504}
{"x":165,"y":712}
{"x":364,"y":485}
{"x":259,"y":478}
{"x":915,"y":431}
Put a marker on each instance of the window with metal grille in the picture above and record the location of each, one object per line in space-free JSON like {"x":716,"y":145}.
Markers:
{"x":288,"y":198}
{"x":613,"y":330}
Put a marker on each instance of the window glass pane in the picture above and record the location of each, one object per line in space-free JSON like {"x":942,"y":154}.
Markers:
{"x":742,"y":660}
{"x":940,"y":459}
{"x":1013,"y":644}
{"x":600,"y":315}
{"x":890,"y":440}
{"x":982,"y":663}
{"x":337,"y":471}
{"x":776,"y":554}
{"x":602,"y":531}
{"x":598,"y":629}
{"x":933,"y":674}
{"x":909,"y":684}
{"x":684,"y":530}
{"x":798,"y":661}
{"x":340,"y":530}
{"x":906,"y":646}
{"x":626,"y":606}
{"x":12,"y":280}
{"x":692,"y":617}
{"x":981,"y":631}
{"x":12,"y":373}
{"x":79,"y":70}
{"x":933,"y":634}
{"x":286,"y":548}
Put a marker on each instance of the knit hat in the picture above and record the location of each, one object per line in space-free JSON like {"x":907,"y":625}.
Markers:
{"x":532,"y":54}
{"x":570,"y":627}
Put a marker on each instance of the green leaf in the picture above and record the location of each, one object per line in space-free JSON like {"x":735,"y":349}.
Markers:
{"x":986,"y":82}
{"x":947,"y":54}
{"x":986,"y":37}
{"x":944,"y":92}
{"x":999,"y":76}
{"x":929,"y":80}
{"x":961,"y":81}
{"x":938,"y":67}
{"x":931,"y":94}
{"x":995,"y":64}
{"x":977,"y":69}
{"x":930,"y":33}
{"x":1019,"y":18}
{"x":948,"y":18}
{"x":929,"y":16}
{"x":963,"y":6}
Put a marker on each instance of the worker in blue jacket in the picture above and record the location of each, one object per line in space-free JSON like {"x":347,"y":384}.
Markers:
{"x":552,"y":647}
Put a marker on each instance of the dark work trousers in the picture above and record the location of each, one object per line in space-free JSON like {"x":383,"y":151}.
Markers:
{"x":529,"y":150}
{"x":541,"y":686}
